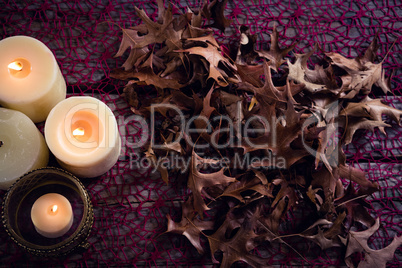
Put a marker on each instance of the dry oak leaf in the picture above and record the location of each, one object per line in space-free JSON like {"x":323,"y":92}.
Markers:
{"x":234,"y":108}
{"x":328,"y":238}
{"x":239,"y":246}
{"x":197,"y":181}
{"x":362,"y":75}
{"x":160,"y":32}
{"x":246,"y":53}
{"x":215,"y":10}
{"x":373,"y":108}
{"x":275,"y":54}
{"x":214,"y":56}
{"x":170,"y":145}
{"x":297,"y":72}
{"x":190,"y":225}
{"x":202,"y":121}
{"x":277,"y":138}
{"x":356,"y":205}
{"x":272,"y":221}
{"x":354,"y":174}
{"x":146,"y":76}
{"x":286,"y":191}
{"x":269,"y":93}
{"x":327,"y":180}
{"x":251,"y":74}
{"x":237,"y":188}
{"x":316,"y":80}
{"x":130,"y":40}
{"x":357,"y":243}
{"x":151,"y":156}
{"x":353,"y":124}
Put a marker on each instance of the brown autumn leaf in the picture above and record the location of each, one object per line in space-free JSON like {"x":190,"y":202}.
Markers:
{"x":327,"y":181}
{"x":372,"y":108}
{"x":130,"y":40}
{"x":251,"y":74}
{"x":163,"y":32}
{"x":275,"y":54}
{"x":199,"y":72}
{"x":180,"y":65}
{"x":317,"y":80}
{"x":354,"y":174}
{"x":146,"y":76}
{"x":325,"y":233}
{"x":366,"y":114}
{"x":202,"y":121}
{"x":361,"y":77}
{"x":236,"y":189}
{"x":362,"y":71}
{"x":356,"y":205}
{"x":238,"y":247}
{"x":211,"y":52}
{"x":297,"y":72}
{"x":351,"y":125}
{"x":153,"y":160}
{"x":246,"y":53}
{"x":272,"y":221}
{"x":234,"y":109}
{"x":197,"y":181}
{"x":131,"y":96}
{"x":283,"y":154}
{"x":286,"y":191}
{"x":269,"y":93}
{"x":191,"y":226}
{"x":174,"y":146}
{"x":215,"y":10}
{"x":357,"y":243}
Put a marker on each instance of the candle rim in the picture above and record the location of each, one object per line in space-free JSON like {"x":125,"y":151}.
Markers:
{"x":35,"y":138}
{"x":51,"y":227}
{"x":75,"y":158}
{"x":45,"y":57}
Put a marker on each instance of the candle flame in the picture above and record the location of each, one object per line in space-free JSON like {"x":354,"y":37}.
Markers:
{"x":54,"y":208}
{"x":15,"y":65}
{"x":79,"y":131}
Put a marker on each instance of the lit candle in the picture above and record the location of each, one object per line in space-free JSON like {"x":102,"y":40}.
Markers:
{"x":30,"y":79}
{"x":83,"y":135}
{"x":52,"y":215}
{"x":22,"y":147}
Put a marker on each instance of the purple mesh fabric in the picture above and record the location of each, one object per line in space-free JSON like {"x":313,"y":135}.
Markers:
{"x":131,"y":204}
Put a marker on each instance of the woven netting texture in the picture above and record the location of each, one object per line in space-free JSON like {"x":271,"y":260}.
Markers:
{"x":131,"y":203}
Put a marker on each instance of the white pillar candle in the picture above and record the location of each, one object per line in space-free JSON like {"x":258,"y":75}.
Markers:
{"x":83,"y":135}
{"x":52,"y":215}
{"x":22,"y":147}
{"x":30,"y":79}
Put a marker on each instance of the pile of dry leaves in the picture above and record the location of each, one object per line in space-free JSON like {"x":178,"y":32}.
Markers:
{"x":267,"y":134}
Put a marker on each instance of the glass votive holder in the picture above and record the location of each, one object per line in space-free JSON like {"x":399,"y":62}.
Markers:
{"x":18,"y":202}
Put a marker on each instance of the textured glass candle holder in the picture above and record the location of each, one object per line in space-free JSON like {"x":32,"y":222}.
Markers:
{"x":16,"y":214}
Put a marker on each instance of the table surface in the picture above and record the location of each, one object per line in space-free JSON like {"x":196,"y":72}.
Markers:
{"x":131,"y":203}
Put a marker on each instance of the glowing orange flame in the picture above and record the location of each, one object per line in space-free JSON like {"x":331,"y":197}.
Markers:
{"x":54,"y":208}
{"x":79,"y":131}
{"x":15,"y":65}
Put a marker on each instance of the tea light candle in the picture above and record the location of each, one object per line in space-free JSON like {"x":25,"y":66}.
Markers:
{"x":22,"y":147}
{"x":52,"y":215}
{"x":83,"y":135}
{"x":31,"y":81}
